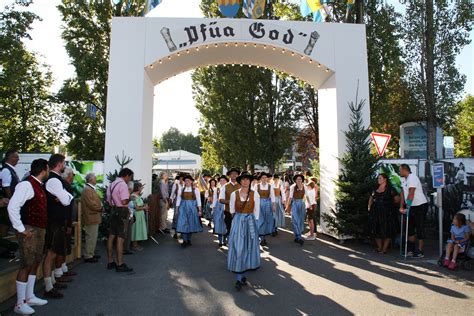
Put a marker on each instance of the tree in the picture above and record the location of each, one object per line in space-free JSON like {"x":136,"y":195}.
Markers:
{"x":356,"y":179}
{"x":463,"y":127}
{"x":259,"y":106}
{"x":435,"y":32}
{"x":87,"y":28}
{"x":173,"y":139}
{"x":29,"y":116}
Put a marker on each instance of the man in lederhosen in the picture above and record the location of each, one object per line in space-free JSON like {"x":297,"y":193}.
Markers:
{"x":224,"y":197}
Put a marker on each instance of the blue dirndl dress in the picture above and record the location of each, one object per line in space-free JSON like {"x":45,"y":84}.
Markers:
{"x":279,"y":214}
{"x":244,"y":249}
{"x":298,"y":212}
{"x":208,"y":211}
{"x":188,"y":218}
{"x":218,"y":218}
{"x":265,"y":221}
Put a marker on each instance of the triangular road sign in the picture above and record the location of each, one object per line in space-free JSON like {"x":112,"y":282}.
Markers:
{"x":381,"y":141}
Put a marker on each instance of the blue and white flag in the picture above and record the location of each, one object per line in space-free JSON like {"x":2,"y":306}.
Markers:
{"x":151,"y":4}
{"x":253,"y":9}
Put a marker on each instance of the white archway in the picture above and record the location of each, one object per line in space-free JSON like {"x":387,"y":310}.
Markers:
{"x":146,"y":51}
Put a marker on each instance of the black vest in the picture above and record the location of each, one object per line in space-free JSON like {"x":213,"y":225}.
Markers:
{"x":15,"y":179}
{"x":57,"y":213}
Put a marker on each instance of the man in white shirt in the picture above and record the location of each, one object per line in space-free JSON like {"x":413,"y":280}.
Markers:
{"x":9,"y":180}
{"x":58,"y":201}
{"x":415,"y":204}
{"x":28,"y":215}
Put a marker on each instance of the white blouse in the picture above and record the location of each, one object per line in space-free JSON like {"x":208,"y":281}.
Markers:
{"x":293,"y":188}
{"x":266,"y":187}
{"x":256,"y":199}
{"x":189,"y":189}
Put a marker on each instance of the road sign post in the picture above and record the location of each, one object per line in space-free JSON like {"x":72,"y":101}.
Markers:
{"x":437,"y":172}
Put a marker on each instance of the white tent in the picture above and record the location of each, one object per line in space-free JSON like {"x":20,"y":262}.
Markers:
{"x":178,"y":160}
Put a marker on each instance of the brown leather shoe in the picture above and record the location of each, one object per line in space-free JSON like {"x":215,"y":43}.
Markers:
{"x":53,"y":294}
{"x":64,"y":279}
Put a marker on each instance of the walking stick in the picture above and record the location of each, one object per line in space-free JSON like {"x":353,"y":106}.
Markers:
{"x":406,"y":233}
{"x":401,"y":234}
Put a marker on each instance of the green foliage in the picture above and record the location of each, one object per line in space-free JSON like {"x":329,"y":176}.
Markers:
{"x":356,"y":179}
{"x":463,"y":127}
{"x":173,"y":139}
{"x":435,"y":31}
{"x":87,"y":27}
{"x":28,"y":114}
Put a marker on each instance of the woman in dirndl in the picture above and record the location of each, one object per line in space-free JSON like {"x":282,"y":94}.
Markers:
{"x":298,"y":208}
{"x":189,"y":211}
{"x":267,"y":207}
{"x":220,"y":228}
{"x":280,"y":200}
{"x":244,"y":250}
{"x":210,"y":195}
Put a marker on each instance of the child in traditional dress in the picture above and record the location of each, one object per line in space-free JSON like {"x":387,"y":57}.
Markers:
{"x":189,"y":211}
{"x":280,"y":200}
{"x":267,"y":208}
{"x":244,"y":250}
{"x":220,"y":228}
{"x":210,"y":196}
{"x":297,"y":206}
{"x":139,"y":228}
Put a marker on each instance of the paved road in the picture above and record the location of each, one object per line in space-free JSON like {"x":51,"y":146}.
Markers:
{"x":320,"y":278}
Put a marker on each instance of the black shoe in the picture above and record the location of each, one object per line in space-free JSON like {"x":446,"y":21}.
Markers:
{"x":263,"y":243}
{"x":127,"y":252}
{"x":91,"y":260}
{"x":244,"y":281}
{"x":166,"y":231}
{"x":53,"y":294}
{"x":60,"y":286}
{"x":238,"y":286}
{"x":296,"y":240}
{"x":175,"y":236}
{"x":189,"y":243}
{"x":184,"y":244}
{"x":220,"y":245}
{"x":123,"y":268}
{"x":274,"y":234}
{"x":224,"y":243}
{"x":111,"y":265}
{"x":418,"y":254}
{"x":301,"y":242}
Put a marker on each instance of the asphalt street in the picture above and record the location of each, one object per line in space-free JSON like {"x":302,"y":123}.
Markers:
{"x":320,"y":278}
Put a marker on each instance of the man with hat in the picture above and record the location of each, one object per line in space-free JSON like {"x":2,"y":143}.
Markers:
{"x":177,"y":185}
{"x":244,"y":250}
{"x":224,"y":196}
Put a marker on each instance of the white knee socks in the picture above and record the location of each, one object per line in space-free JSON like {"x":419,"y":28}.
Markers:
{"x":20,"y":292}
{"x":30,"y":287}
{"x":48,"y":283}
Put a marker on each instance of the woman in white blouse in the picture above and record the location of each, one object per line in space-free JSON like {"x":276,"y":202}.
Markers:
{"x":188,"y":204}
{"x":267,"y":207}
{"x":297,"y":205}
{"x":244,"y":250}
{"x":278,"y":188}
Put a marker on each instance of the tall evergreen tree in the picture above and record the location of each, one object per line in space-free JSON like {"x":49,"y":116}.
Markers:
{"x":356,"y":179}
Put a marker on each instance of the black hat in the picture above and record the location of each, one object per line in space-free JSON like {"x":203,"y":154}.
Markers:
{"x":233,"y":170}
{"x":188,"y":176}
{"x":299,"y":175}
{"x":180,"y":175}
{"x":223,"y":177}
{"x":276,"y":176}
{"x":206,"y":174}
{"x":245,"y":175}
{"x":212,"y":179}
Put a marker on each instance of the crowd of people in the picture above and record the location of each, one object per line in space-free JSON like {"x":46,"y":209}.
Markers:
{"x":241,"y":209}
